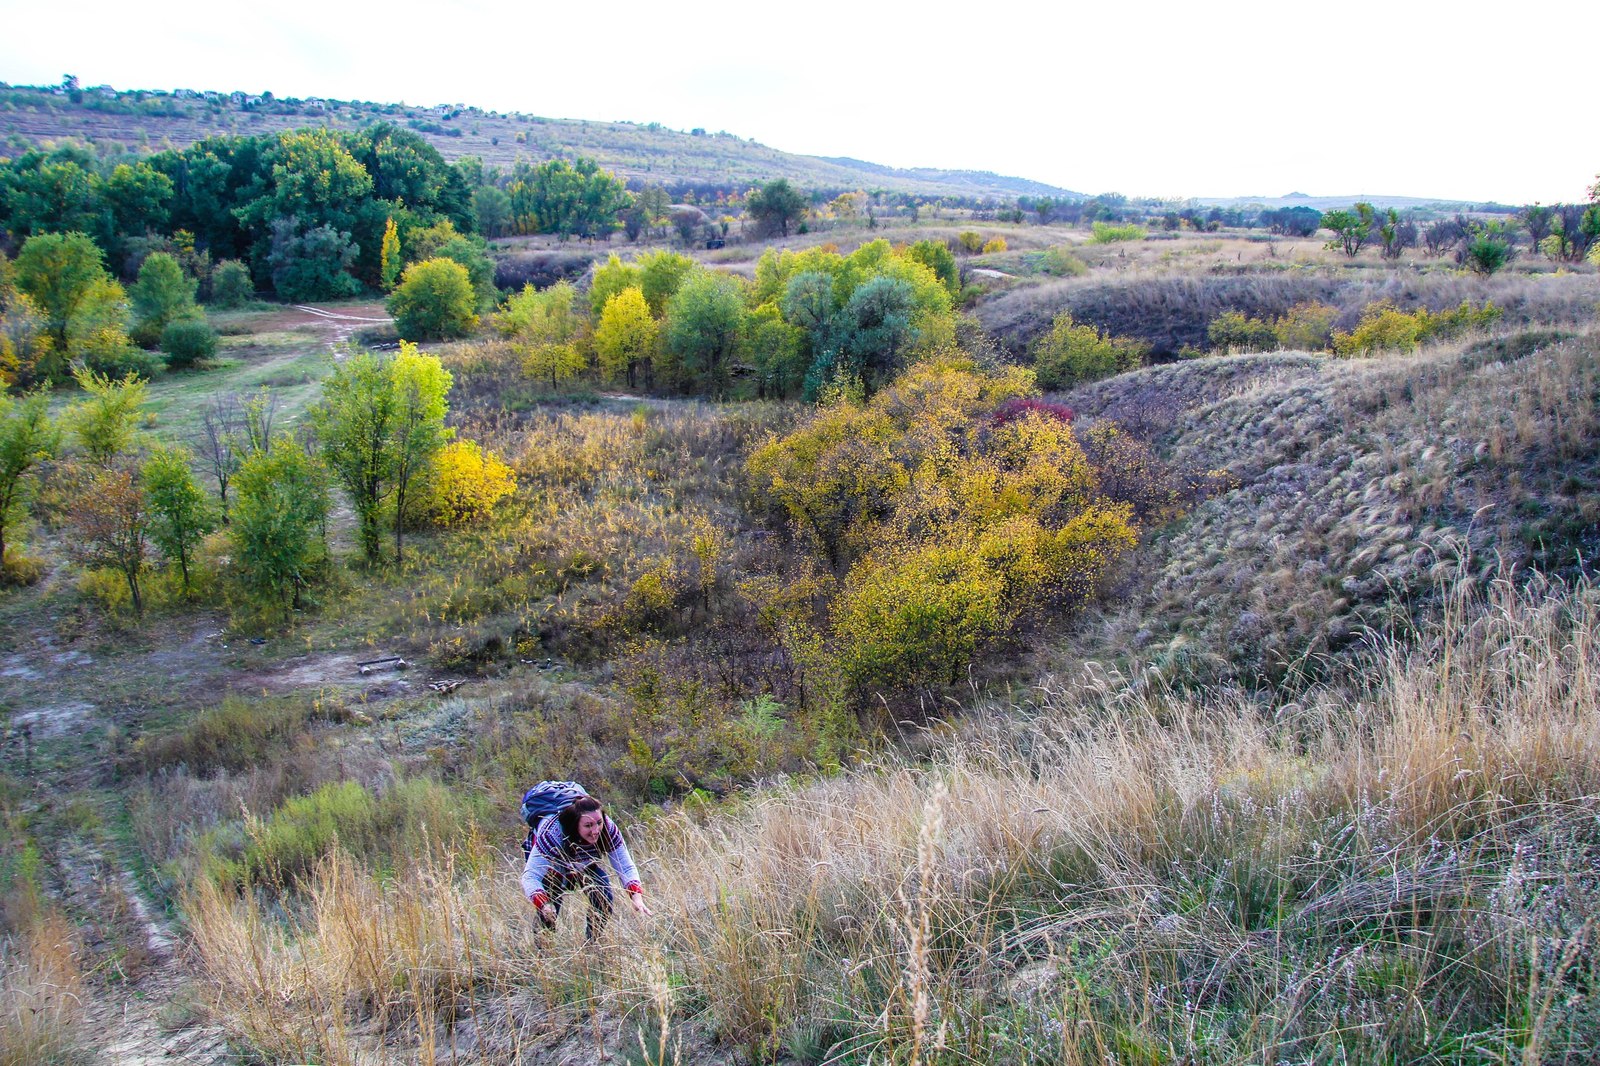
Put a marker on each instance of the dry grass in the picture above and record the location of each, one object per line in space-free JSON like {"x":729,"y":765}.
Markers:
{"x":1361,"y":488}
{"x":1400,"y":870}
{"x":42,"y":992}
{"x":1171,"y":304}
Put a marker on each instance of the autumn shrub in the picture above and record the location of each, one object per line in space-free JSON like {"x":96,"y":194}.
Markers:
{"x":970,"y":241}
{"x":463,"y":485}
{"x":1306,"y":327}
{"x":1071,"y":354}
{"x":994,"y":244}
{"x":435,"y":300}
{"x":1061,"y":261}
{"x":951,"y":523}
{"x":1111,"y":233}
{"x":1384,"y":327}
{"x":1231,"y":331}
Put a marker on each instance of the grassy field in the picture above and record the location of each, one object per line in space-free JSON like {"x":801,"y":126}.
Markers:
{"x":1316,"y":781}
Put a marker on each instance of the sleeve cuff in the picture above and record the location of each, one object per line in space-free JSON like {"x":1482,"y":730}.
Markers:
{"x":539,"y":899}
{"x":636,"y":888}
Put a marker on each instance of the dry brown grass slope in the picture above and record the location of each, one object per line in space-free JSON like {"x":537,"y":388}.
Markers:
{"x":1362,"y":487}
{"x":1401,"y":870}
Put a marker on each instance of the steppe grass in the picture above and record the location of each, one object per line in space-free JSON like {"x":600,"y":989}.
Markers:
{"x":1361,"y":489}
{"x":1398,"y":868}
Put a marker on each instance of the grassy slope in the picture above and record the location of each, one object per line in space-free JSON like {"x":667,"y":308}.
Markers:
{"x":1352,"y":480}
{"x":1163,"y":860}
{"x":645,"y":153}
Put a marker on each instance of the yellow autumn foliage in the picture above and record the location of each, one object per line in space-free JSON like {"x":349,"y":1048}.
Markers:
{"x":465,"y":485}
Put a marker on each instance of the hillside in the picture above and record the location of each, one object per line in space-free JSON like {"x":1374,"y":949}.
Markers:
{"x":1287,"y":775}
{"x":639,"y":153}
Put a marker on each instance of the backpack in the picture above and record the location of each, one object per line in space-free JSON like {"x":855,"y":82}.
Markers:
{"x":544,"y":799}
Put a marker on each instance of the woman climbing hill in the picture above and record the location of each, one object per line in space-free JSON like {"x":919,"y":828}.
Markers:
{"x":565,"y":854}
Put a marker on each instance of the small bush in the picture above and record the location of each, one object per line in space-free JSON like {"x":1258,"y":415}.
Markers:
{"x":233,"y":735}
{"x":1109,"y":233}
{"x":412,"y":820}
{"x":970,"y":241}
{"x":1233,"y":332}
{"x":1306,"y":326}
{"x":1071,"y":354}
{"x":994,"y":244}
{"x":1062,"y":262}
{"x":188,"y":341}
{"x":231,"y":284}
{"x":20,"y":570}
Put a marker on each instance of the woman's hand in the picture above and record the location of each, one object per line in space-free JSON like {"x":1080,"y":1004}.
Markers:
{"x":547,"y":914}
{"x":639,"y":906}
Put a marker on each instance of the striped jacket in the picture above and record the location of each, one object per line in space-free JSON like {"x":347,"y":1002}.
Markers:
{"x":554,"y":853}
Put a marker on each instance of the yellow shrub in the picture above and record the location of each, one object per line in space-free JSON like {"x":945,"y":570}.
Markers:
{"x":466,"y":484}
{"x":916,"y":617}
{"x":994,"y":244}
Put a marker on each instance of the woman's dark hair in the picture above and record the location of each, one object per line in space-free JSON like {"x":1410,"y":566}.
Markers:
{"x":577,"y":809}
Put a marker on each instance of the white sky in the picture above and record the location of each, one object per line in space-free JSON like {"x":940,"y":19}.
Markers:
{"x":1233,"y":97}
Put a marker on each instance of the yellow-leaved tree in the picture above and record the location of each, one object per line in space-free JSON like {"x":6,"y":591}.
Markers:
{"x":955,"y":510}
{"x":625,"y":341}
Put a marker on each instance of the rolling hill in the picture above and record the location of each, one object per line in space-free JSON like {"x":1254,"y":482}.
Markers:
{"x":642,"y":154}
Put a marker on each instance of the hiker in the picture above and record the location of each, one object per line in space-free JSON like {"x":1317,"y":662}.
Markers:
{"x":566,"y":852}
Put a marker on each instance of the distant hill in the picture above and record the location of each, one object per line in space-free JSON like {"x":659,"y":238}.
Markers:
{"x":1329,"y":203}
{"x":639,"y":153}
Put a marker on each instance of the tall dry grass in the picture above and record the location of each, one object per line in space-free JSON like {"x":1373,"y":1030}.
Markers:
{"x":42,"y":993}
{"x":1405,"y":867}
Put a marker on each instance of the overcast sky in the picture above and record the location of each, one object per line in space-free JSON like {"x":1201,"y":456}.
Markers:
{"x":1233,"y":97}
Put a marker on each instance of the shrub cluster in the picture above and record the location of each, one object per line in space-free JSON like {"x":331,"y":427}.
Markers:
{"x":950,"y":526}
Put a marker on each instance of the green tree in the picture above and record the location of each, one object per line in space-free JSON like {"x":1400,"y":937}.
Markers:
{"x":493,"y":208}
{"x":280,"y":515}
{"x":421,"y":388}
{"x":231,"y":284}
{"x":62,"y":273}
{"x":1351,"y":229}
{"x":161,"y":295}
{"x":609,"y":279}
{"x":139,"y":198}
{"x":1487,"y":251}
{"x":544,"y":325}
{"x":660,"y":276}
{"x":28,"y":436}
{"x":435,"y":300}
{"x":873,"y":329}
{"x":106,"y":421}
{"x":356,"y":421}
{"x":1537,"y":220}
{"x":311,"y":262}
{"x":937,"y":257}
{"x":705,"y":324}
{"x":472,"y":254}
{"x":775,"y":206}
{"x":625,"y":341}
{"x":180,"y":512}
